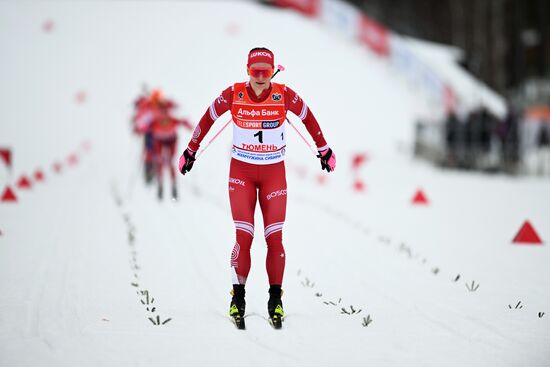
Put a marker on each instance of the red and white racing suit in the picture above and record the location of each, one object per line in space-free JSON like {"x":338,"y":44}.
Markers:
{"x":257,"y":170}
{"x":162,"y":126}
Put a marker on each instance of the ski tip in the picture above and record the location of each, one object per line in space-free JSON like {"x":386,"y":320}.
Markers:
{"x":277,"y":323}
{"x":239,"y":323}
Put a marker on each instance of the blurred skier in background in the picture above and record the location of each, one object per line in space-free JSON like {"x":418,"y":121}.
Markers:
{"x":257,"y":171}
{"x":142,"y":117}
{"x":158,"y":121}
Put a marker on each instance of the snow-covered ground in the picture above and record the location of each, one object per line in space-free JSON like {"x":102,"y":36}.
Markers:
{"x":83,"y":254}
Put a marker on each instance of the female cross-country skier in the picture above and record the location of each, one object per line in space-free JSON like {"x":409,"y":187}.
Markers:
{"x":158,"y":121}
{"x":257,"y":171}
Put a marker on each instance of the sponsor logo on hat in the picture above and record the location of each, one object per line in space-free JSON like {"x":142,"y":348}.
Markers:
{"x":260,"y":53}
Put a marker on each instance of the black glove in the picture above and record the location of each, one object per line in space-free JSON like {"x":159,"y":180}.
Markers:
{"x":328,"y":160}
{"x":186,"y":161}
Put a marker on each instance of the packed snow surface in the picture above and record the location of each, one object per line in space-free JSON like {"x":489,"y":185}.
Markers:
{"x":91,"y":261}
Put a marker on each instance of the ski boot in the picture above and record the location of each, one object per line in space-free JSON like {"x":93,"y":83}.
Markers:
{"x":159,"y":192}
{"x":238,"y":305}
{"x":275,"y":306}
{"x":149,"y":172}
{"x":174,"y":193}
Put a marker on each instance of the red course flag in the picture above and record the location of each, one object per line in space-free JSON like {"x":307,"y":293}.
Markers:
{"x":527,"y":235}
{"x":80,"y":97}
{"x":420,"y":198}
{"x":57,"y":167}
{"x":87,"y":145}
{"x":8,"y":195}
{"x":24,"y":183}
{"x":232,"y":29}
{"x":5,"y":154}
{"x":72,"y":159}
{"x":358,"y":160}
{"x":359,"y":185}
{"x":48,"y":25}
{"x":38,"y":175}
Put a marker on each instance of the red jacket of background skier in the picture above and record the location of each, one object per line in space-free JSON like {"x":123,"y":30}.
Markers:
{"x":155,"y":115}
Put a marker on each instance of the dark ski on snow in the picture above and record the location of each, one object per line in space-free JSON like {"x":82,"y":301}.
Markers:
{"x":239,"y":322}
{"x":276,"y":322}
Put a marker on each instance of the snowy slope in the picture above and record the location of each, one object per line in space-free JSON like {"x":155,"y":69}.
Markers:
{"x":83,"y":254}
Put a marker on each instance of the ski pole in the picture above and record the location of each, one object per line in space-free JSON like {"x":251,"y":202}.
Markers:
{"x":301,"y":136}
{"x":282,"y":68}
{"x":279,"y":68}
{"x":211,"y":140}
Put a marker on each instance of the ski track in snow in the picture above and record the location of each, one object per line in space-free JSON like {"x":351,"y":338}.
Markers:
{"x":382,"y":240}
{"x":146,"y":298}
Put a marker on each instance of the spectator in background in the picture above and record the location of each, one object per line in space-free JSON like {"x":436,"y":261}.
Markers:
{"x":452,"y":126}
{"x":486,"y":123}
{"x":510,"y":139}
{"x":543,"y":148}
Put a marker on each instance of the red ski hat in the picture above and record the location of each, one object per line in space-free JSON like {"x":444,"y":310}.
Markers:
{"x":257,"y":55}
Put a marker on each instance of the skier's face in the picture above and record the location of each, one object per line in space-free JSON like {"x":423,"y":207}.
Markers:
{"x":260,"y":74}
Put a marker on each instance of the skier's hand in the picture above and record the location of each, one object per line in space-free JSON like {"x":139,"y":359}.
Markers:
{"x":186,"y":161}
{"x":328,"y":159}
